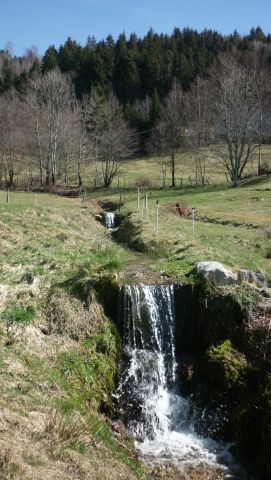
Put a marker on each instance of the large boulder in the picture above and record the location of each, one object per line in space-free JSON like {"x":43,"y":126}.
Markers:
{"x":216,"y":273}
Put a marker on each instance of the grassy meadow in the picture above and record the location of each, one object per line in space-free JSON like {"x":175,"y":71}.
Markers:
{"x":231,"y":224}
{"x":58,"y":351}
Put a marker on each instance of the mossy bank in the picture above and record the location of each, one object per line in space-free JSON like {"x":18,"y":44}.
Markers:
{"x":224,"y":347}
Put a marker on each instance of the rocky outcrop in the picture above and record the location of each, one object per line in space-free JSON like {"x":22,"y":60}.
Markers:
{"x":216,"y":273}
{"x":219,"y":275}
{"x":257,"y":279}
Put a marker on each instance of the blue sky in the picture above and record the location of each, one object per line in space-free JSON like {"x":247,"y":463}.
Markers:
{"x":33,"y":22}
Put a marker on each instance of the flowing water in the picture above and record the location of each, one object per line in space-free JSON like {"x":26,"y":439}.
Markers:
{"x":148,"y":395}
{"x":109,"y":220}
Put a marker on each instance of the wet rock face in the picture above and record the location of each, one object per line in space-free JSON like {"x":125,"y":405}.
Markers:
{"x":223,"y":367}
{"x":204,"y":318}
{"x":109,"y":205}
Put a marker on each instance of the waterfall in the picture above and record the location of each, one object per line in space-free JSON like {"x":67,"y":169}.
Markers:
{"x":148,"y":395}
{"x":109,"y":220}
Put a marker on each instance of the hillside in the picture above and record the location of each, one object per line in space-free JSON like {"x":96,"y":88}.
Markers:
{"x":59,"y":347}
{"x":58,"y":351}
{"x":231,"y":225}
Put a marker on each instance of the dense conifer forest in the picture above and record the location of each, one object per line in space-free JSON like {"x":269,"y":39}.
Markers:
{"x":115,"y":99}
{"x":133,"y":67}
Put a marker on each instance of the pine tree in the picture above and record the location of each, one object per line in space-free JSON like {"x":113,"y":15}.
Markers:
{"x":50,"y":60}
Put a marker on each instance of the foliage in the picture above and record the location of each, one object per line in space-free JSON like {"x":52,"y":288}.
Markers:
{"x":225,"y":364}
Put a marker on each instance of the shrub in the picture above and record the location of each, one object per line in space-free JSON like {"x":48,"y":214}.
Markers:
{"x":144,"y":182}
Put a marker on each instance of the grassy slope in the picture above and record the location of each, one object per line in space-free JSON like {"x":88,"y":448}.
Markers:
{"x":45,"y":352}
{"x":149,"y":168}
{"x":57,"y":354}
{"x":230,"y":226}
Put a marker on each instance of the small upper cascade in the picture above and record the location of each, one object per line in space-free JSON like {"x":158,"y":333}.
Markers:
{"x":110,"y":220}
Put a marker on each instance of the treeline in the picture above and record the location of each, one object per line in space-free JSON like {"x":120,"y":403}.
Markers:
{"x":111,"y":100}
{"x":133,"y":67}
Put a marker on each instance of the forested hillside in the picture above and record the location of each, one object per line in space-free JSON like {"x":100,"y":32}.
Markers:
{"x":98,"y":104}
{"x":134,"y":67}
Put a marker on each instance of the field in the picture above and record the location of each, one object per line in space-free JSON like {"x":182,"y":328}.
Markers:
{"x":58,"y":351}
{"x":231,"y":225}
{"x":147,"y":170}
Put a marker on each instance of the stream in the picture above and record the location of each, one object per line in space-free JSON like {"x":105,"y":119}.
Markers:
{"x":149,"y":398}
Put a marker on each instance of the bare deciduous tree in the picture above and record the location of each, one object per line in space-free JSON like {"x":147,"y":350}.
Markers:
{"x":81,"y":141}
{"x":198,"y":116}
{"x":263,"y":88}
{"x":157,"y":145}
{"x":35,"y":128}
{"x":11,"y":136}
{"x":170,"y":127}
{"x":51,"y":98}
{"x":112,"y":139}
{"x":237,"y":113}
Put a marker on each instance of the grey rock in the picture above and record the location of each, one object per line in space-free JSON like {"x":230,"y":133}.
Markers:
{"x":257,"y":279}
{"x":216,"y":273}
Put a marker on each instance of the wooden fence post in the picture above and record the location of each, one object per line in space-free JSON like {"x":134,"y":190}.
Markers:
{"x":157,"y":217}
{"x":146,"y":207}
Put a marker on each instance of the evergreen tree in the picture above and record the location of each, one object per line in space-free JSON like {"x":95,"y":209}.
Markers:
{"x":69,"y":56}
{"x":50,"y":60}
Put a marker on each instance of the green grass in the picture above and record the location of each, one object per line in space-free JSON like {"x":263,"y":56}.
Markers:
{"x":229,"y":228}
{"x":17,"y":314}
{"x":148,"y":168}
{"x":65,"y":357}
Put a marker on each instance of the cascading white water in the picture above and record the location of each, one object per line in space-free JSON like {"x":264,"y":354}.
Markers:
{"x":109,"y":220}
{"x":148,"y":397}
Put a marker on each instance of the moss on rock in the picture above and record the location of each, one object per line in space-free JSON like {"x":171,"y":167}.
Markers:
{"x":225,"y":366}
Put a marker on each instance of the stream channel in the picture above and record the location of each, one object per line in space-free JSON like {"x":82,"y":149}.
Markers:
{"x":149,"y":396}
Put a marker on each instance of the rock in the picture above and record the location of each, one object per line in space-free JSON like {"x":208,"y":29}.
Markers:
{"x":256,"y":279}
{"x":217,"y":273}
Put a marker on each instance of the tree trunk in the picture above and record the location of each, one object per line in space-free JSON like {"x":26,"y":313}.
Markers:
{"x":173,"y":183}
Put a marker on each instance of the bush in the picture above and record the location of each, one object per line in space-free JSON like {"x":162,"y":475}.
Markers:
{"x":144,"y":182}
